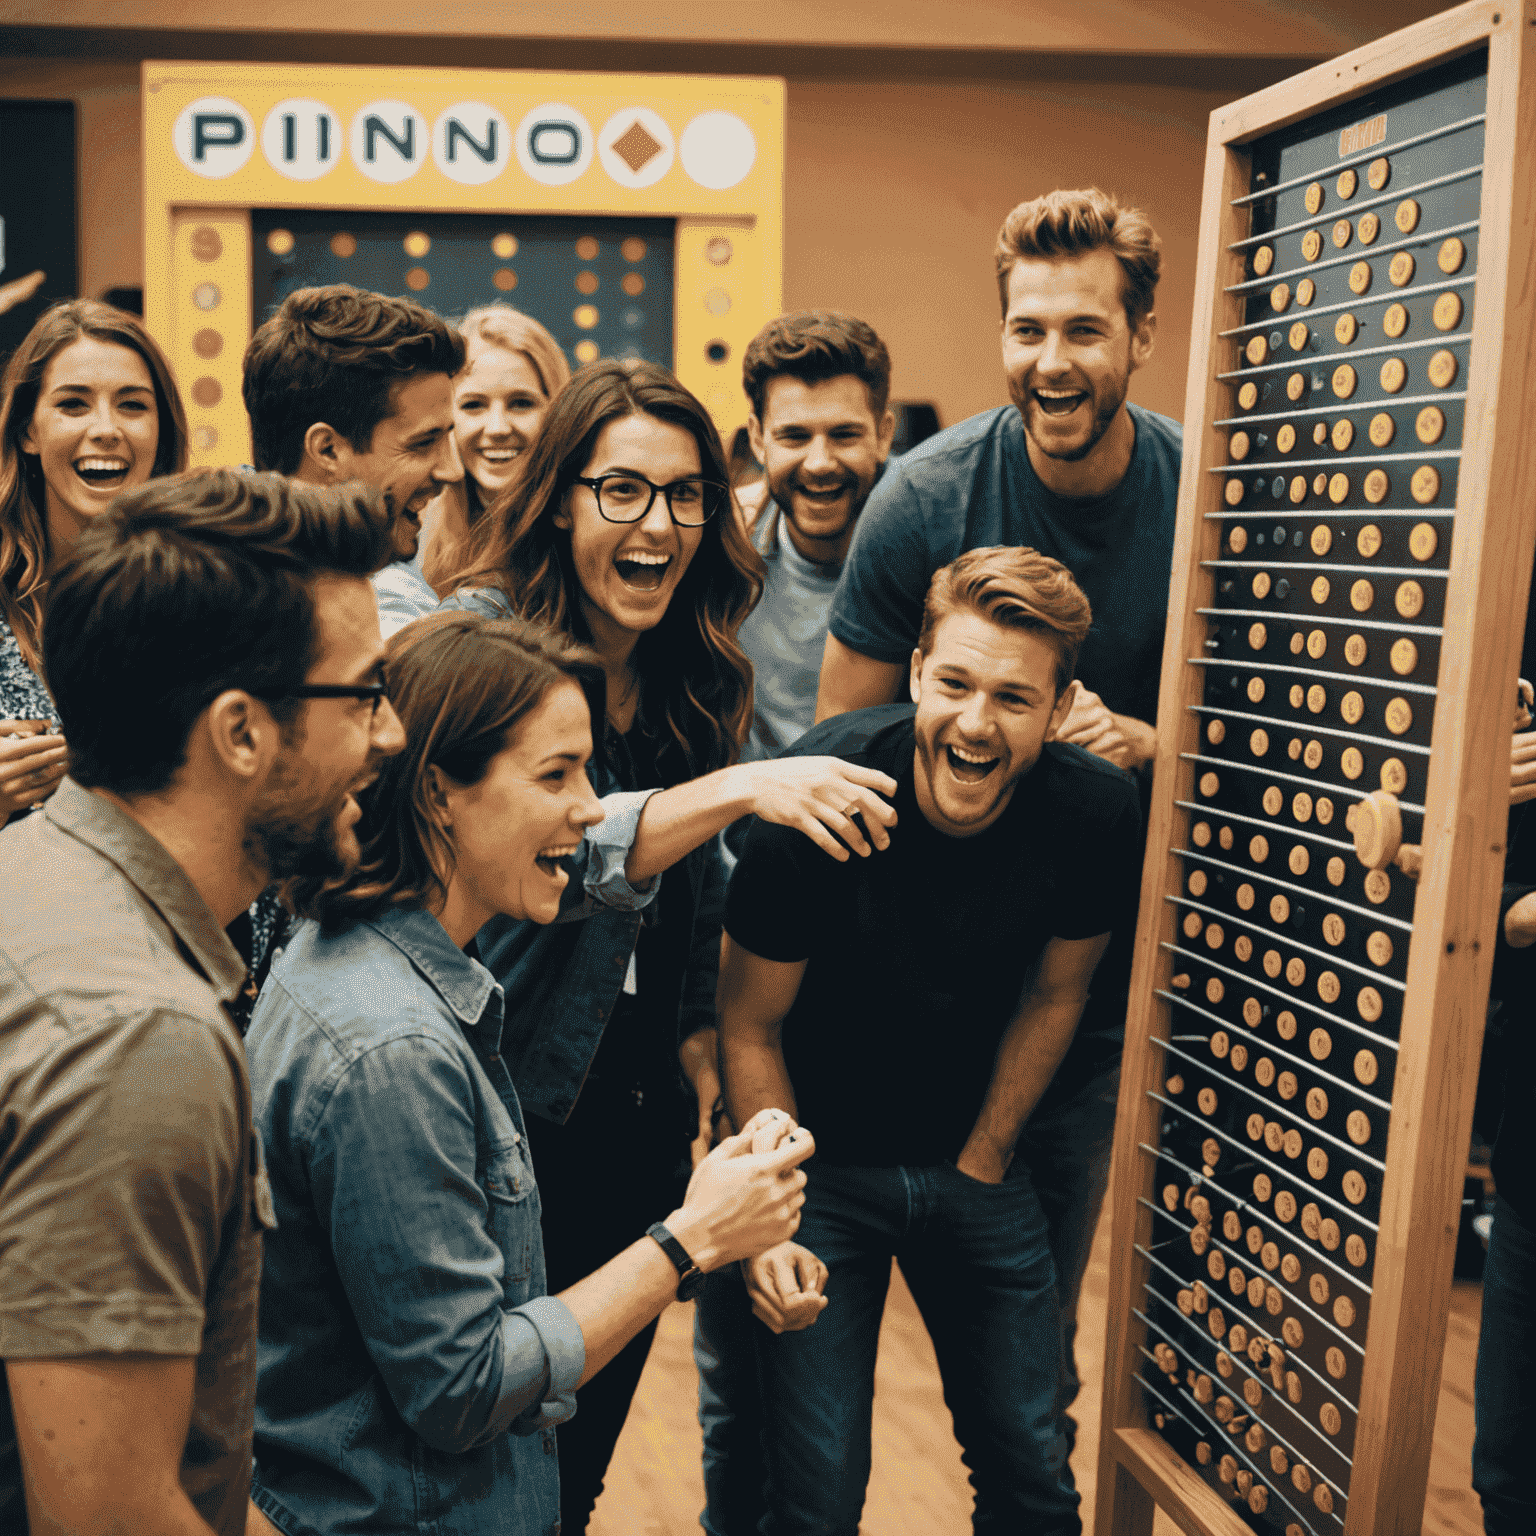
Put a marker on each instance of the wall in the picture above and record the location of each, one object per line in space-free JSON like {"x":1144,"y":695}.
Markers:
{"x":902,"y":156}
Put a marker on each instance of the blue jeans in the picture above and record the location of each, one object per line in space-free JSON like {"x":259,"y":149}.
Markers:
{"x":1065,"y":1148}
{"x":1505,"y":1397}
{"x":977,"y":1258}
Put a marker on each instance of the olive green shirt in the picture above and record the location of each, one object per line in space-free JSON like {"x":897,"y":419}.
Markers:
{"x":132,"y":1193}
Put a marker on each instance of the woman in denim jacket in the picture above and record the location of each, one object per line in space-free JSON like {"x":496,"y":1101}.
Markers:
{"x":412,"y":1364}
{"x":617,"y":529}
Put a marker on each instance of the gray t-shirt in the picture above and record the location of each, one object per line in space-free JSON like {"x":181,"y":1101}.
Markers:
{"x":784,"y":637}
{"x":132,"y":1191}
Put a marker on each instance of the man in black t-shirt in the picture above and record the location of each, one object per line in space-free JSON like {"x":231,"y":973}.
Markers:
{"x":921,"y":1000}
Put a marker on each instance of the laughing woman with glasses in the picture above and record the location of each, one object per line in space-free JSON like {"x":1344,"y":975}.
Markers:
{"x":617,"y":530}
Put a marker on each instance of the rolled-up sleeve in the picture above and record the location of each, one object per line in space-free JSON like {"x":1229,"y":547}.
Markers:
{"x":610,"y":843}
{"x":543,"y":1346}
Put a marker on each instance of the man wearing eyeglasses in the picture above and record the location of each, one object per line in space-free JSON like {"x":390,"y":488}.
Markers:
{"x":213,"y":648}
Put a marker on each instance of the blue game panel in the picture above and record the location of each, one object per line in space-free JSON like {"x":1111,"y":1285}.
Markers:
{"x":596,"y":283}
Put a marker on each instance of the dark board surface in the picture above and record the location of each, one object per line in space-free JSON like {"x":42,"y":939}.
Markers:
{"x":1342,"y":415}
{"x":37,"y":203}
{"x":595,"y":283}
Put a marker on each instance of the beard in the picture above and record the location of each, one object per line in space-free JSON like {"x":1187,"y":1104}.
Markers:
{"x":295,"y":831}
{"x":1104,"y":402}
{"x":783,"y":492}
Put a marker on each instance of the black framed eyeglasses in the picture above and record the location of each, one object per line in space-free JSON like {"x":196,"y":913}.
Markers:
{"x":624,"y":498}
{"x":375,"y":693}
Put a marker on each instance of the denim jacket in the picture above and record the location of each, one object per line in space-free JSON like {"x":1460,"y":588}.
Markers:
{"x":411,"y":1369}
{"x":563,"y":981}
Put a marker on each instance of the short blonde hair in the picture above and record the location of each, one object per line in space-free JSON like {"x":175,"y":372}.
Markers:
{"x":503,"y":326}
{"x":1017,"y":588}
{"x":1075,"y":223}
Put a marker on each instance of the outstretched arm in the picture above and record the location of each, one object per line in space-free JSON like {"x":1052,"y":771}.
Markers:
{"x":1031,"y":1050}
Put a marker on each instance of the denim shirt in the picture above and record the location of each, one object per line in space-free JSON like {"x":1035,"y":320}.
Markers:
{"x":411,"y":1369}
{"x":562,"y":982}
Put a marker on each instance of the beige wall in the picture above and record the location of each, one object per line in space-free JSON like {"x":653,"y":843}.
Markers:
{"x":895,"y":193}
{"x":902,"y":159}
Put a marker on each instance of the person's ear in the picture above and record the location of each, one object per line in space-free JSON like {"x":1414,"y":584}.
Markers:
{"x":241,"y":734}
{"x":435,"y":783}
{"x":328,"y":456}
{"x":915,"y":680}
{"x":885,"y":435}
{"x":29,"y":438}
{"x":1063,"y":708}
{"x":1142,"y":340}
{"x":755,"y":436}
{"x":562,"y":517}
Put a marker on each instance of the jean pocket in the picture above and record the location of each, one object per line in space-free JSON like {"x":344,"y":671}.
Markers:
{"x":507,"y":1179}
{"x":974,"y":1183}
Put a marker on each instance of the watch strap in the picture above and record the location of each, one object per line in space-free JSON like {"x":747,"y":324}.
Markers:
{"x":690,"y":1276}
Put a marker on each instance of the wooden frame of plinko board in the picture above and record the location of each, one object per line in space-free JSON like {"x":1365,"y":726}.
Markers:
{"x":223,"y":139}
{"x":1230,"y":628}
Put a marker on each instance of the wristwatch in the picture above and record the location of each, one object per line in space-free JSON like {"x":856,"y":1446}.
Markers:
{"x":691,"y":1279}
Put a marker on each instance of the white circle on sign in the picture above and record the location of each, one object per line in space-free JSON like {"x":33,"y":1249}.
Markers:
{"x":471,"y":143}
{"x":636,"y":147}
{"x":389,"y":141}
{"x":301,"y":138}
{"x":554,"y":144}
{"x":718,"y":150}
{"x":213,"y":137}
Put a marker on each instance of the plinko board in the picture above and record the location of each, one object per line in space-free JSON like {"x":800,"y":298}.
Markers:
{"x":634,"y":215}
{"x":1327,"y":833}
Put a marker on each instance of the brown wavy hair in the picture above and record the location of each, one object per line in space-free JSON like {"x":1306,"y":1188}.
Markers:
{"x":1075,"y":223}
{"x":695,"y":678}
{"x":24,"y":551}
{"x":461,"y":684}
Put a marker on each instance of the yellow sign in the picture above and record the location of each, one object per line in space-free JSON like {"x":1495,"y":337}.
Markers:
{"x":224,"y":140}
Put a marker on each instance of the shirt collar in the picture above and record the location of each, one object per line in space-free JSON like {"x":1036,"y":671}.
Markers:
{"x":149,"y":867}
{"x":469,"y":990}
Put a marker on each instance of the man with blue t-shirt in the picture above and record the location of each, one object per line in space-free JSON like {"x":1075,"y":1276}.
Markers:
{"x":1073,"y":470}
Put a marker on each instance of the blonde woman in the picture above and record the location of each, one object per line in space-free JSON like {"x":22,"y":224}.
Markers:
{"x":512,"y":369}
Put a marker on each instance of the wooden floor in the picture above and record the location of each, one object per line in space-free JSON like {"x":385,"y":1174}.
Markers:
{"x":918,"y":1487}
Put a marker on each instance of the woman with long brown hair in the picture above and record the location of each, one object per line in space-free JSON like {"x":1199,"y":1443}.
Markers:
{"x":617,"y":530}
{"x":88,"y":408}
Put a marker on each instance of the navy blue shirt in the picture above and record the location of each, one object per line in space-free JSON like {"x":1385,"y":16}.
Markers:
{"x":972,"y":486}
{"x":920,"y":954}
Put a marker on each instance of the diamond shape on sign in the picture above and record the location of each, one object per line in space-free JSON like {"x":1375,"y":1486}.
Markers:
{"x":636,"y":148}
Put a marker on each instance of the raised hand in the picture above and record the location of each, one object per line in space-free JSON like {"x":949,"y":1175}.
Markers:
{"x":821,"y":796}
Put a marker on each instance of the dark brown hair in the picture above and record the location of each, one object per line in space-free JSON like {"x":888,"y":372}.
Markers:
{"x":461,"y":684}
{"x":187,"y":587}
{"x":814,"y":345}
{"x":1019,"y":589}
{"x":1075,"y":223}
{"x":24,"y":552}
{"x":695,"y":676}
{"x":335,"y":355}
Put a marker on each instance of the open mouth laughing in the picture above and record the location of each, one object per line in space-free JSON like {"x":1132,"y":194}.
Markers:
{"x":499,"y":458}
{"x":548,"y":860}
{"x":1059,"y":402}
{"x":969,"y":767}
{"x":642,"y":570}
{"x":105,"y":472}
